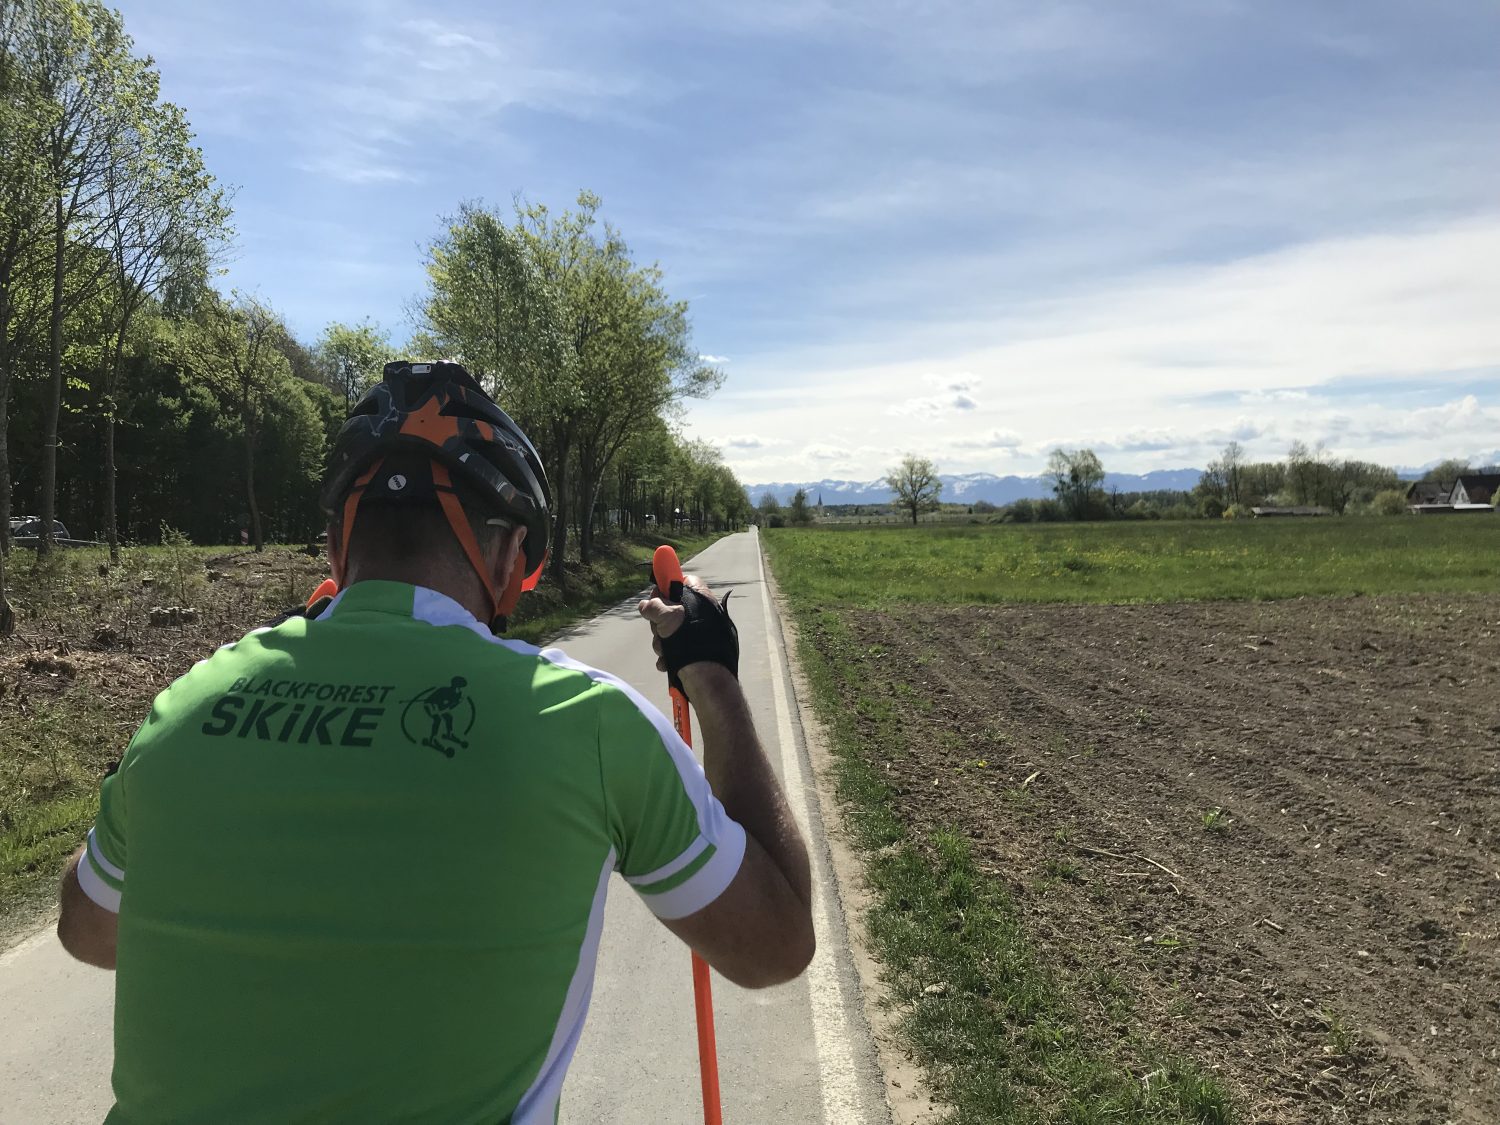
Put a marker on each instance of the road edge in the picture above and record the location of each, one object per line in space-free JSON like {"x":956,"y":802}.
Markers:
{"x":906,"y":1085}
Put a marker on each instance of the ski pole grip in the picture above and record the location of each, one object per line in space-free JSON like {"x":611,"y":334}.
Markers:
{"x":666,"y":571}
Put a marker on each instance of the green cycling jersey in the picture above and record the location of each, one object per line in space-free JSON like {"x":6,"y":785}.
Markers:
{"x":360,"y":865}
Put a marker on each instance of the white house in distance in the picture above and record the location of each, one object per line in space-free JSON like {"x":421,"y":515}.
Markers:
{"x":1470,"y":492}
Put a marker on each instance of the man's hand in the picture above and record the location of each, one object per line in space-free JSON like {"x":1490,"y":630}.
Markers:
{"x":695,"y":634}
{"x":86,"y":929}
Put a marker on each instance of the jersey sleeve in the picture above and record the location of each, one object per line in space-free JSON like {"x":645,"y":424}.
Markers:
{"x":101,"y":871}
{"x":675,"y":843}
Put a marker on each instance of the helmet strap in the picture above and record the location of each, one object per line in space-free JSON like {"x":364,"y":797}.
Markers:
{"x":351,"y":503}
{"x":454,"y":510}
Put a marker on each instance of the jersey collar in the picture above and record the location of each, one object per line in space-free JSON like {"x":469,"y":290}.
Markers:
{"x":400,"y":599}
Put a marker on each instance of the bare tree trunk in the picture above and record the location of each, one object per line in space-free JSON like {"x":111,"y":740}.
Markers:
{"x":4,"y":453}
{"x":54,"y":396}
{"x":7,"y":616}
{"x":111,"y":522}
{"x":560,"y":517}
{"x":255,"y":532}
{"x":111,"y":532}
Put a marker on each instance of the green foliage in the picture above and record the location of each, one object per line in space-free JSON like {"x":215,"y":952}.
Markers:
{"x":1216,"y":820}
{"x":350,"y":358}
{"x":1342,"y":1039}
{"x":1022,"y":511}
{"x":800,"y":511}
{"x":1389,"y":502}
{"x":1139,"y":561}
{"x":582,"y":344}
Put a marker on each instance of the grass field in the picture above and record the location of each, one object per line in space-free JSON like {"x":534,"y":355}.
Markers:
{"x":72,"y":696}
{"x":1139,"y":562}
{"x":1014,"y":773}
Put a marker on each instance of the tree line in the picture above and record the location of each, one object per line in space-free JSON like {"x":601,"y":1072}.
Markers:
{"x":135,"y":395}
{"x":1231,"y":485}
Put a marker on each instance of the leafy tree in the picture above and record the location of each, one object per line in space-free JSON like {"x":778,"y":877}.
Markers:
{"x":1450,"y":469}
{"x":97,"y":94}
{"x":349,"y":357}
{"x":1306,"y":471}
{"x":231,"y":350}
{"x":1077,"y":481}
{"x":25,"y":116}
{"x":1233,"y":461}
{"x":166,"y":221}
{"x":583,"y":345}
{"x":801,"y":510}
{"x":769,"y":505}
{"x":915,"y":484}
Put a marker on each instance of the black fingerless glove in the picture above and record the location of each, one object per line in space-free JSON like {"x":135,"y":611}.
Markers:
{"x":708,"y":635}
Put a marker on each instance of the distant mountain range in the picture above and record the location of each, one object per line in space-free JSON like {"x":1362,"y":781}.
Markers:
{"x":969,"y":488}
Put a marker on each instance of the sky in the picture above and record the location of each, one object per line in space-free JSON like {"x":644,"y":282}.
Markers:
{"x":974,"y":232}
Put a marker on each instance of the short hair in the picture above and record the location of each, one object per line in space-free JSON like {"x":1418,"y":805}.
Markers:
{"x":415,"y":531}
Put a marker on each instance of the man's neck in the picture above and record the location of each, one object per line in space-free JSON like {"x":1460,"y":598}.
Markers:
{"x":463,"y":588}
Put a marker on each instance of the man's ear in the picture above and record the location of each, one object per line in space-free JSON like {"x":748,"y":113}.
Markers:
{"x":336,"y":558}
{"x":510,"y":556}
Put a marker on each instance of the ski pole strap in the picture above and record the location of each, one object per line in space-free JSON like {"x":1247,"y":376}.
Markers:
{"x":707,"y":635}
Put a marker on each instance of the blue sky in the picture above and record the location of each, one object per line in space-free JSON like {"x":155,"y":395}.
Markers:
{"x":972,"y":231}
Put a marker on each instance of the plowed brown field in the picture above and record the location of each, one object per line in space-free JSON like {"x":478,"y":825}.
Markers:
{"x":1330,"y":944}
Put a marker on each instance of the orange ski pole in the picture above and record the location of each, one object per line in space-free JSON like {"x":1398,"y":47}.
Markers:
{"x":667,"y":572}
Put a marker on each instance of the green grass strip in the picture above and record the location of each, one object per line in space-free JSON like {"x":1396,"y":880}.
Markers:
{"x":42,"y":836}
{"x":1200,"y":560}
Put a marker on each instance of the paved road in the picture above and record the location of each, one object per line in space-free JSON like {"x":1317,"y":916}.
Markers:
{"x":795,"y":1054}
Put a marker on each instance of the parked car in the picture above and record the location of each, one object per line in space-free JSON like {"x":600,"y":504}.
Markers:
{"x":26,"y":531}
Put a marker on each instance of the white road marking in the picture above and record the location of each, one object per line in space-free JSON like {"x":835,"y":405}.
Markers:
{"x":833,"y":1037}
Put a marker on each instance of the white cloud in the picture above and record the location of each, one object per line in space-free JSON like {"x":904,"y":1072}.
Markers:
{"x":827,"y":453}
{"x":1007,"y":440}
{"x":748,"y":441}
{"x":954,"y":393}
{"x":1255,"y":398}
{"x":714,"y":358}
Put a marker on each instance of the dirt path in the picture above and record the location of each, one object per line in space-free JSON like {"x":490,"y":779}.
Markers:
{"x":1331,"y":943}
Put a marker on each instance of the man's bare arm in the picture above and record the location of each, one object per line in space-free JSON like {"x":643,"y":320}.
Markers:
{"x":86,"y":929}
{"x":759,"y":932}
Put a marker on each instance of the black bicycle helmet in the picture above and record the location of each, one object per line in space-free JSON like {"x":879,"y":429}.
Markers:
{"x":440,"y":410}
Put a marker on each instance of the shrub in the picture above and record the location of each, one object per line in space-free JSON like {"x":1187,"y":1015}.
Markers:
{"x":1022,"y":511}
{"x":1050,"y":511}
{"x":179,"y":569}
{"x":1391,"y":502}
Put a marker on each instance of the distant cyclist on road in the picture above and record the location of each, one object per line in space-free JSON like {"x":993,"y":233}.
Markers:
{"x":314,"y":918}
